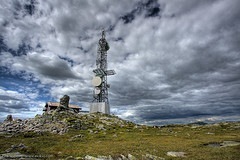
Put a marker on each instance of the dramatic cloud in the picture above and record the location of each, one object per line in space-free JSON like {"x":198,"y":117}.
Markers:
{"x":176,"y":61}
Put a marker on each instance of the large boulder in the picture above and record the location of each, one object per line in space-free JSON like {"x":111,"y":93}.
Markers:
{"x":9,"y":118}
{"x":64,"y":103}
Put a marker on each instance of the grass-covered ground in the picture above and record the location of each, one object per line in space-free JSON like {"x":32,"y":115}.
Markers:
{"x":134,"y":140}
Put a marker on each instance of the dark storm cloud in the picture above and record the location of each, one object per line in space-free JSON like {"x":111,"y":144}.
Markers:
{"x":175,"y":60}
{"x":196,"y":66}
{"x":40,"y":64}
{"x":150,"y":8}
{"x":54,"y":69}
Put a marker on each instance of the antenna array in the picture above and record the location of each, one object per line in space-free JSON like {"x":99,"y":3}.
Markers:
{"x":100,"y":93}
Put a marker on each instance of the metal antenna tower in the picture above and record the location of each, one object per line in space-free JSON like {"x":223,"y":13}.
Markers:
{"x":100,"y":95}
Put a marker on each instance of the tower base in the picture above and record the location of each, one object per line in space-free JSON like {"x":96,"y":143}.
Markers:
{"x":102,"y":107}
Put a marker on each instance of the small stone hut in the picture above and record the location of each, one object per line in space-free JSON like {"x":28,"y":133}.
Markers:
{"x":54,"y":105}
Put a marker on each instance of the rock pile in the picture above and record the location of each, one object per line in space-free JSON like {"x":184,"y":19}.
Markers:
{"x":44,"y":123}
{"x":60,"y":122}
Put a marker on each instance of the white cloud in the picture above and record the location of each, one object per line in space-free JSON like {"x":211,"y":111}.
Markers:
{"x":185,"y":57}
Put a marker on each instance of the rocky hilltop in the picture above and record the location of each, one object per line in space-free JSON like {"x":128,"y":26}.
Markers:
{"x":60,"y":122}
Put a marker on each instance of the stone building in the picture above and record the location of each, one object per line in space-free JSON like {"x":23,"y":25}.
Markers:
{"x":54,"y":105}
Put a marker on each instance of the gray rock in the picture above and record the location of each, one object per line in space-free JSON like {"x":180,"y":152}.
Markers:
{"x":9,"y":118}
{"x":229,"y":143}
{"x":70,"y":158}
{"x":77,"y":137}
{"x":20,"y":146}
{"x":64,"y":101}
{"x":131,"y":157}
{"x":14,"y":155}
{"x":152,"y":157}
{"x":87,"y":157}
{"x":104,"y":158}
{"x":100,"y":126}
{"x":223,"y":144}
{"x":176,"y":154}
{"x":123,"y":157}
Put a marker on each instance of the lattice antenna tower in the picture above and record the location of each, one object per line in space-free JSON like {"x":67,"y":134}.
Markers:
{"x":99,"y":82}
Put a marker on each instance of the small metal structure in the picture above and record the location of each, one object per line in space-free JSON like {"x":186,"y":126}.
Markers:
{"x":100,"y":94}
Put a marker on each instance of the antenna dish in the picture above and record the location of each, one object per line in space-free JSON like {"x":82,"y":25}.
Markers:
{"x":97,"y":90}
{"x":96,"y":81}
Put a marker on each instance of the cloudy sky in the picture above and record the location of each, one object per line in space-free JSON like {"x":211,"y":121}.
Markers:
{"x":177,"y":61}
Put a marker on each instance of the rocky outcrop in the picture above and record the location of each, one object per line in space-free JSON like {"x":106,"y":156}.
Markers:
{"x":39,"y":124}
{"x":59,"y":122}
{"x":9,"y":118}
{"x":64,"y":101}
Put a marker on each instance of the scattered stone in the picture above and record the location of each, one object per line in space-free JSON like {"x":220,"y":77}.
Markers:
{"x":20,"y":156}
{"x":229,"y":143}
{"x":213,"y":144}
{"x":70,"y":158}
{"x":152,"y":157}
{"x":16,"y":147}
{"x":100,"y":127}
{"x":87,"y":157}
{"x":123,"y":157}
{"x":77,"y":137}
{"x":104,"y":157}
{"x":210,"y":133}
{"x":176,"y":154}
{"x":131,"y":157}
{"x":90,"y":131}
{"x":223,"y":144}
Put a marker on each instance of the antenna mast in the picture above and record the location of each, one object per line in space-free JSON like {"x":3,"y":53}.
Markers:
{"x":100,"y":95}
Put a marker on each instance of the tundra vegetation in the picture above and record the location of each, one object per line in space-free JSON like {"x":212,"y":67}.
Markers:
{"x":60,"y":135}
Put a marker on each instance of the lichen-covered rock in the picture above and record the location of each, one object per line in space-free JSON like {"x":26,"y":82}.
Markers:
{"x":64,"y":101}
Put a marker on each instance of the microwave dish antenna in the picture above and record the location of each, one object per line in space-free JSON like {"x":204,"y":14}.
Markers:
{"x":96,"y":81}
